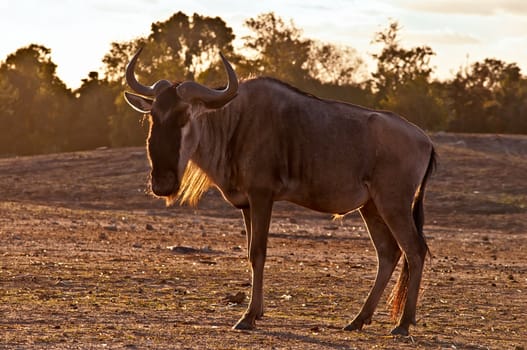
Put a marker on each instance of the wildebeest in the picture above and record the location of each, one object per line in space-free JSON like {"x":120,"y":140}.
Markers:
{"x":262,"y":140}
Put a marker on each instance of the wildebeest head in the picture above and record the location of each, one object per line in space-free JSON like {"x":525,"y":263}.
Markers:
{"x":173,"y":135}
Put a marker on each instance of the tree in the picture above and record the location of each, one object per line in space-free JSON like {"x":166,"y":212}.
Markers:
{"x":195,"y":41}
{"x":93,"y":106}
{"x":397,"y":66}
{"x":180,"y":48}
{"x":9,"y":96}
{"x":402,"y":81}
{"x":38,"y":118}
{"x":489,"y":96}
{"x":278,"y":49}
{"x":331,"y":64}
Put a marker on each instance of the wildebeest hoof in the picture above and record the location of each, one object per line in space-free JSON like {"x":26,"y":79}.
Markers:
{"x":400,"y":330}
{"x":244,"y":325}
{"x":355,"y":325}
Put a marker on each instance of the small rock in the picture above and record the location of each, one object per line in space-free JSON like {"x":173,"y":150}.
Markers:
{"x":149,"y":227}
{"x":112,"y":228}
{"x":208,"y":262}
{"x":183,"y":250}
{"x":206,"y":249}
{"x":315,"y":329}
{"x":137,"y":245}
{"x":237,"y":298}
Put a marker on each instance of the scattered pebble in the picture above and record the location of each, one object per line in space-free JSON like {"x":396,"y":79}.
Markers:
{"x":237,"y":298}
{"x":183,"y":250}
{"x":315,"y":329}
{"x":189,"y":250}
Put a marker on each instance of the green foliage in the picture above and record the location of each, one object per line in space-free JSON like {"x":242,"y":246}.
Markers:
{"x":35,"y":103}
{"x":195,"y":41}
{"x":40,"y":114}
{"x":397,"y":66}
{"x":278,"y":47}
{"x":402,"y":81}
{"x":127,"y":127}
{"x":94,"y":105}
{"x":489,"y":96}
{"x":331,"y":64}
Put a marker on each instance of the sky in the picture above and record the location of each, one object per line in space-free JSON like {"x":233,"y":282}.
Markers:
{"x":79,"y":32}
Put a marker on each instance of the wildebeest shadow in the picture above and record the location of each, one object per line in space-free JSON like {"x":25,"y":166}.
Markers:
{"x":287,"y":336}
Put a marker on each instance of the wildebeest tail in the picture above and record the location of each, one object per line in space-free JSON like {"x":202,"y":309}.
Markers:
{"x":418,"y":208}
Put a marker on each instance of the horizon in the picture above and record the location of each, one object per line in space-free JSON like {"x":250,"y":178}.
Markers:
{"x":459,"y":32}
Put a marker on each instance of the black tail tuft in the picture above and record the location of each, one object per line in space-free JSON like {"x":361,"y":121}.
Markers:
{"x":418,"y":208}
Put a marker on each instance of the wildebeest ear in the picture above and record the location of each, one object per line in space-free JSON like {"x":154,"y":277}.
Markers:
{"x":138,"y":102}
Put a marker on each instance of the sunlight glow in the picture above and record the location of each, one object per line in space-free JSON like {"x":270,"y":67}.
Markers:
{"x":79,"y":33}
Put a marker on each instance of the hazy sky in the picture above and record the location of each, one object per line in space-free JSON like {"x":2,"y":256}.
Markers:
{"x":79,"y":32}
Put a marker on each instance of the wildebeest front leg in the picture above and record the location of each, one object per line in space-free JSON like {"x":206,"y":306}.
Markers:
{"x":388,"y":254}
{"x":248,"y":229}
{"x":260,"y":216}
{"x":247,"y":220}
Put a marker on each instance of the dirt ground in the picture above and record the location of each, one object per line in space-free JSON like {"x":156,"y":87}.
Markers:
{"x":89,"y":260}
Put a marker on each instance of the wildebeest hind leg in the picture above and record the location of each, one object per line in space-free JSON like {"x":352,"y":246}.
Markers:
{"x":414,"y":247}
{"x":388,"y":254}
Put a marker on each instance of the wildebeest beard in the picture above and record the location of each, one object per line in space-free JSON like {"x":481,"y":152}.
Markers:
{"x":193,"y":185}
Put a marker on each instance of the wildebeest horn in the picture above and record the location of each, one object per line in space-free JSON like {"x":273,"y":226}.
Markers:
{"x":153,"y":90}
{"x":190,"y":91}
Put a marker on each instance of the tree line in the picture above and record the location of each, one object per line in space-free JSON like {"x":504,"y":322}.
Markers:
{"x":40,"y":114}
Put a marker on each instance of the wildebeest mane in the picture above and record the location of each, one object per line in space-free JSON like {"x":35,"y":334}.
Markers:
{"x":291,"y":87}
{"x":195,"y":182}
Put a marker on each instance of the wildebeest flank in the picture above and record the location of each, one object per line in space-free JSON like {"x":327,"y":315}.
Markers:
{"x":261,"y":141}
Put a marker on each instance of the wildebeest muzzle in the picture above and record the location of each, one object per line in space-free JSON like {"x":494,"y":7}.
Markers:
{"x":164,"y":184}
